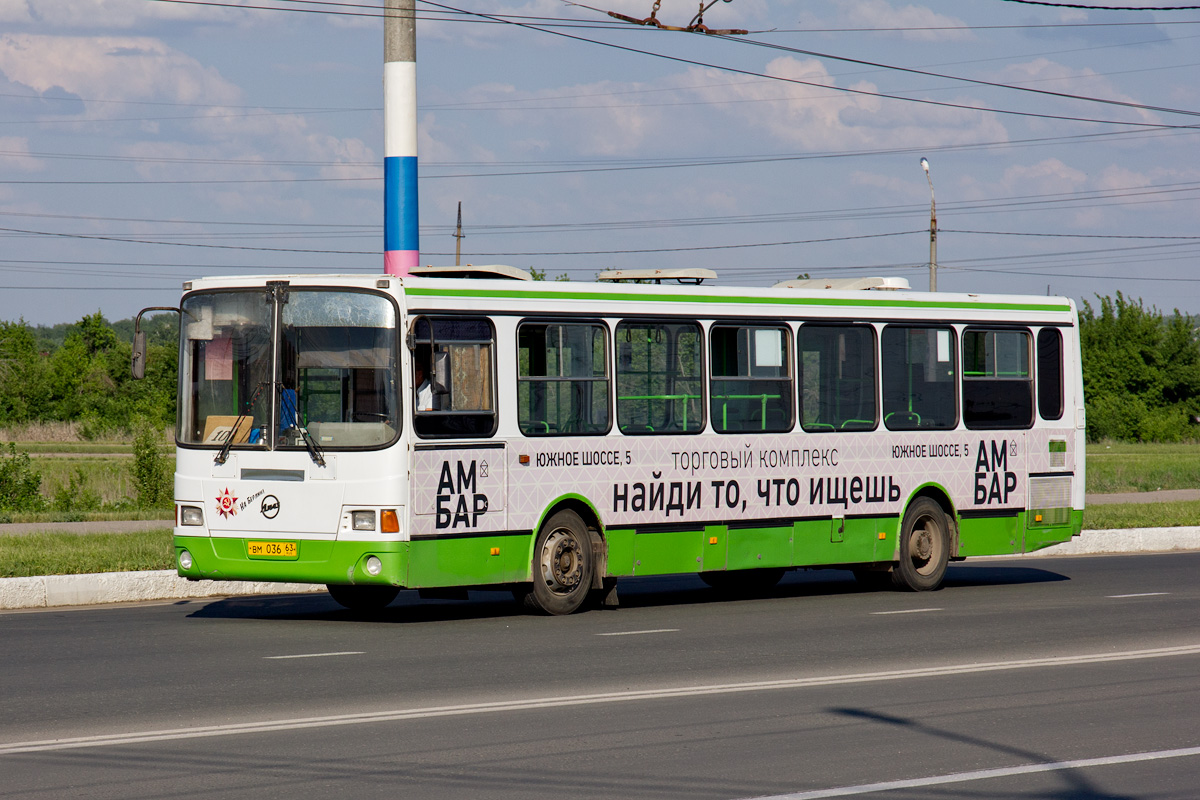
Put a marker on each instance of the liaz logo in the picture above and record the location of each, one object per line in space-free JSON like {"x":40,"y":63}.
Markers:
{"x":226,"y":504}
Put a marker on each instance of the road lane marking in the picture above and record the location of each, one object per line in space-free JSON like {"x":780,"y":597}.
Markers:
{"x":1139,"y":594}
{"x":317,"y":655}
{"x":985,"y":774}
{"x":905,"y":611}
{"x":667,"y":692}
{"x":639,"y":633}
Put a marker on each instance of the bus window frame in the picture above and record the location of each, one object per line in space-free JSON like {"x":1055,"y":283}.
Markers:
{"x":955,"y":359}
{"x":1030,"y":355}
{"x":609,"y":365}
{"x":710,"y":380}
{"x":877,"y":389}
{"x":412,"y":340}
{"x":702,"y":376}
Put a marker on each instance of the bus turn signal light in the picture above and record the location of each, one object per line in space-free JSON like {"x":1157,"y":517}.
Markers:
{"x":388,"y":521}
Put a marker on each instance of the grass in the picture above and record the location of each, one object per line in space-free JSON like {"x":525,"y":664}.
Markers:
{"x":76,"y":554}
{"x":1132,"y":467}
{"x":1142,"y":515}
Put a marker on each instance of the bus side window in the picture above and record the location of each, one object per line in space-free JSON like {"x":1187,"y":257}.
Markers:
{"x":460,"y":388}
{"x":562,"y":379}
{"x":919,"y":378}
{"x":660,"y":383}
{"x":837,"y":378}
{"x":1050,"y":373}
{"x":750,"y":386}
{"x":997,"y":380}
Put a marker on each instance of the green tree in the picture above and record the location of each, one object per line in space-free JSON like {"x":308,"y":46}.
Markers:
{"x":1141,"y":371}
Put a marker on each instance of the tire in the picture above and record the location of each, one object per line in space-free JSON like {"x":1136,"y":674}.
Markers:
{"x":363,"y":598}
{"x":562,"y":566}
{"x":924,"y":547}
{"x":743,"y":582}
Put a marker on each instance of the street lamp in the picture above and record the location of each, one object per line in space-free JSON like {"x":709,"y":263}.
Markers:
{"x":932,"y":229}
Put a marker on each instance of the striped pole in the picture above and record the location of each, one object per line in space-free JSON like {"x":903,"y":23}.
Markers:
{"x":401,"y":250}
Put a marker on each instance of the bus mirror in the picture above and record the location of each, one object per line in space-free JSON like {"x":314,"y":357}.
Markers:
{"x":440,"y":380}
{"x":138,"y":365}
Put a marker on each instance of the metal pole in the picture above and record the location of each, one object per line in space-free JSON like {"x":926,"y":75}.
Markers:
{"x":458,"y":237}
{"x":400,"y":238}
{"x":932,"y":229}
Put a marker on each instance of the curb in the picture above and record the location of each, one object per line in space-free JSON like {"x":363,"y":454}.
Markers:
{"x":50,"y":591}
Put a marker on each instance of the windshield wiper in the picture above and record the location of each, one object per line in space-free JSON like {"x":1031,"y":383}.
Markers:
{"x":290,"y":417}
{"x":223,"y":453}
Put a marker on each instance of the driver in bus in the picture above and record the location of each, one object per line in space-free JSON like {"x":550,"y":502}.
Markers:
{"x":424,"y":389}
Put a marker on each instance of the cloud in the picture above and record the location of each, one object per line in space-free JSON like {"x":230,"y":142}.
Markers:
{"x":14,"y":154}
{"x":881,"y":14}
{"x":111,"y":68}
{"x":1042,"y":73}
{"x":116,"y":14}
{"x":826,"y":119}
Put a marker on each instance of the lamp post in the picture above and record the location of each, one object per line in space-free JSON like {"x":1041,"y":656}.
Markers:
{"x":932,"y":229}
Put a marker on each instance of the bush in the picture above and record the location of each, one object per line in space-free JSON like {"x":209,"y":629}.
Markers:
{"x":20,"y":483}
{"x":152,"y":479}
{"x":76,"y":497}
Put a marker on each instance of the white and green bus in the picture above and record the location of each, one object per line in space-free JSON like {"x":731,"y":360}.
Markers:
{"x":466,"y":428}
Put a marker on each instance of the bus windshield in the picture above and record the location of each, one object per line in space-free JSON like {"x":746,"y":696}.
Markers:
{"x":260,"y":368}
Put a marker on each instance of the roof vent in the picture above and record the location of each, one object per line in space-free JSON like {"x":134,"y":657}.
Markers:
{"x":847,"y":284}
{"x":694,"y":275}
{"x":486,"y":271}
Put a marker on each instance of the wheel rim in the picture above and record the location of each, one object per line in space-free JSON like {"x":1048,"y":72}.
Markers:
{"x":561,"y":562}
{"x":925,"y":545}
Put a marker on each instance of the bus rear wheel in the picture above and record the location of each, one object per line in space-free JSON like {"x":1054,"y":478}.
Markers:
{"x":362,"y":598}
{"x":562,"y":565}
{"x":924,"y":547}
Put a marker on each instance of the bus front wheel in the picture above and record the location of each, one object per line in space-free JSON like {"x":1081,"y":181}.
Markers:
{"x":562,"y":565}
{"x":362,"y":598}
{"x":924,"y":547}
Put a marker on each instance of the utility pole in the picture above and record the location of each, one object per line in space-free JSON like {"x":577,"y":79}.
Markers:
{"x":401,"y":248}
{"x":932,"y":229}
{"x":458,"y":236}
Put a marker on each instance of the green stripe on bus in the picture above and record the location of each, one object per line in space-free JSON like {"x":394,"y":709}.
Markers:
{"x":526,"y":294}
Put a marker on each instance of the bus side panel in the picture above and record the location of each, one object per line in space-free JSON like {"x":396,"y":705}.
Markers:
{"x":753,"y":548}
{"x":668,"y":552}
{"x":469,"y":560}
{"x":990,"y":535}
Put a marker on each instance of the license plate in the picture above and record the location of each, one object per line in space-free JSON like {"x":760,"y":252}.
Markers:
{"x":272,"y":549}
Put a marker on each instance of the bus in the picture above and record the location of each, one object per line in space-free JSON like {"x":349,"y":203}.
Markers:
{"x":467,"y":428}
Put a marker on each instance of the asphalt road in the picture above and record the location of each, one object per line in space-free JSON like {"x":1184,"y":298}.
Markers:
{"x":1064,"y":679}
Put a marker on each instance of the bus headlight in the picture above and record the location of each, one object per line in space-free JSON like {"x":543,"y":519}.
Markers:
{"x":185,"y":559}
{"x":374,"y":566}
{"x":191,"y":515}
{"x":363,"y":520}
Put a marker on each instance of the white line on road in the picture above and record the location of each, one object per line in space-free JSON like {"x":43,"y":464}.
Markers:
{"x":638,"y":633}
{"x":633,"y":695}
{"x":1140,"y":594}
{"x":984,"y":775}
{"x":905,"y":611}
{"x":317,"y":655}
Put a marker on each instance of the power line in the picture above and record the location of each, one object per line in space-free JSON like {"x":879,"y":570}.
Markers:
{"x":1103,"y":8}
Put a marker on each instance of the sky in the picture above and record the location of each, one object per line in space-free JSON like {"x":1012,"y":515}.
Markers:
{"x":147,"y":142}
